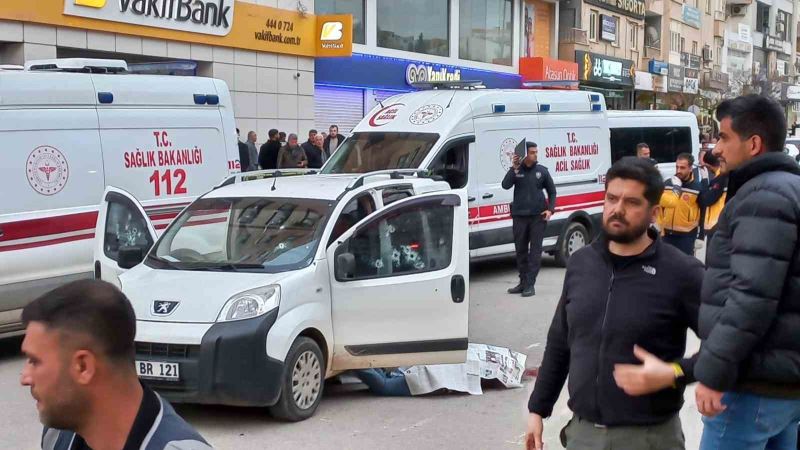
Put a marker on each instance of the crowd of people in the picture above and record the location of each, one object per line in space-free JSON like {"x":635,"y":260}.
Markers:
{"x":283,"y":151}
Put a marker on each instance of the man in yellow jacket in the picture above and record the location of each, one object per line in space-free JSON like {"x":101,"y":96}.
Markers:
{"x":680,"y":209}
{"x":713,"y":198}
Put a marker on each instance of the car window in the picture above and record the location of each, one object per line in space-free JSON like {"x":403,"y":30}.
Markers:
{"x":356,"y":209}
{"x":125,"y":227}
{"x":393,"y":194}
{"x":415,"y":239}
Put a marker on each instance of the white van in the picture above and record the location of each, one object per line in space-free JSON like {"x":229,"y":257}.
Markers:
{"x":468,"y":136}
{"x":668,"y":133}
{"x":69,"y":128}
{"x":259,"y":290}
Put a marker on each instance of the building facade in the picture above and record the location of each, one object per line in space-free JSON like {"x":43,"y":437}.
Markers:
{"x":265,"y":52}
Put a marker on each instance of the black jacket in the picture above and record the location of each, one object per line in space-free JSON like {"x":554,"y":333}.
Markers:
{"x":244,"y":156}
{"x":602,"y":314}
{"x":528,"y":190}
{"x":268,"y":155}
{"x":313,"y":154}
{"x":326,"y":144}
{"x":750,"y":315}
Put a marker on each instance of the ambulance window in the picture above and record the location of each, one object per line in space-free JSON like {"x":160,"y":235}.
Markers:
{"x":666,"y":143}
{"x":125,"y":227}
{"x":355,"y":210}
{"x":452,"y":163}
{"x":396,"y":193}
{"x":410,"y":240}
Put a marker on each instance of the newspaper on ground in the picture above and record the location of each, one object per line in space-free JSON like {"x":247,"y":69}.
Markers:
{"x":483,"y":361}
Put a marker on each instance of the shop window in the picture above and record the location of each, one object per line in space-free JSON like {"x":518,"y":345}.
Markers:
{"x":485,"y":30}
{"x":413,"y":26}
{"x":354,"y":7}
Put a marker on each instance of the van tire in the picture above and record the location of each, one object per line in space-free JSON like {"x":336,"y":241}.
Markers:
{"x":575,"y":237}
{"x":305,"y":367}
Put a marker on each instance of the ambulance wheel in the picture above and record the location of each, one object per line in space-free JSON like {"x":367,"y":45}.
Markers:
{"x":303,"y":380}
{"x":574,"y":238}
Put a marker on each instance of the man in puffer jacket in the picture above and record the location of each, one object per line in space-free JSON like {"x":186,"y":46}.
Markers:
{"x":749,"y":362}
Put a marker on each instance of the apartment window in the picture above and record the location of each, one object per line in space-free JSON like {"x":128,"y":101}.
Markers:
{"x":683,"y":44}
{"x":618,"y":32}
{"x":694,"y":48}
{"x":634,"y":35}
{"x":762,"y":17}
{"x":708,"y":6}
{"x":594,"y":17}
{"x":782,"y":21}
{"x":675,"y":41}
{"x":354,"y":7}
{"x":414,"y":26}
{"x":485,"y":30}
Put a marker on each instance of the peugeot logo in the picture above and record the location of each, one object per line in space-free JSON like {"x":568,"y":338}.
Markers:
{"x":164,"y":307}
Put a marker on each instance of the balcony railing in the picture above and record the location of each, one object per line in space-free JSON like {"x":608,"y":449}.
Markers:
{"x":652,"y":52}
{"x":573,"y":36}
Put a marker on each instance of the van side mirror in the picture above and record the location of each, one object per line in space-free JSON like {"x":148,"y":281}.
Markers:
{"x":345,"y":266}
{"x":130,"y":257}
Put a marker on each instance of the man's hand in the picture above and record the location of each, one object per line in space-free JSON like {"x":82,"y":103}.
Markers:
{"x":533,"y":437}
{"x":515,"y":162}
{"x":547,"y":215}
{"x":709,"y":401}
{"x":651,"y":376}
{"x":302,"y":164}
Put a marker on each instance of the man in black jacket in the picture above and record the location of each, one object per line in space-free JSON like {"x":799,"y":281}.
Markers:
{"x":268,"y":154}
{"x":244,"y":154}
{"x":530,"y":212}
{"x":750,"y":313}
{"x":627,"y":288}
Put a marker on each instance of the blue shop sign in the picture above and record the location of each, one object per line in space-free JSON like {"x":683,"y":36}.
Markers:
{"x":383,"y":72}
{"x":692,"y":16}
{"x":658,"y":67}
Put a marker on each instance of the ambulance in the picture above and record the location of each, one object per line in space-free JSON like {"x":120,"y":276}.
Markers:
{"x":467,"y":135}
{"x":69,"y":128}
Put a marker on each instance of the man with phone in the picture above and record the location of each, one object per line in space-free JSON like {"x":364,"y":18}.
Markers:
{"x":530,"y":212}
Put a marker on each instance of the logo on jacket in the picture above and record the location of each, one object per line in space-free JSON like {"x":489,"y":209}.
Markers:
{"x":538,"y":175}
{"x":47,"y":170}
{"x":164,"y":307}
{"x":650,"y":270}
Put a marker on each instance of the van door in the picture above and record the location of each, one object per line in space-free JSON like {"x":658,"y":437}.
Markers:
{"x":400,"y":284}
{"x":123,"y":236}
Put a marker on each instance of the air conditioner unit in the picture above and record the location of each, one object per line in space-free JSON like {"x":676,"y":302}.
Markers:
{"x":781,"y":68}
{"x":738,"y":10}
{"x":780,"y":27}
{"x":707,"y":54}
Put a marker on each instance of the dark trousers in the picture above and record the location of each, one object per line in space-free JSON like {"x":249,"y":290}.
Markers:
{"x":683,"y":241}
{"x":528,"y":236}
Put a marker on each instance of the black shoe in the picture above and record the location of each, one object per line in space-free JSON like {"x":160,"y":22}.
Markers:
{"x":516,"y":289}
{"x":529,"y":292}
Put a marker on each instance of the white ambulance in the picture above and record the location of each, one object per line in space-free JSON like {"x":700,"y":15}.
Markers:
{"x":69,"y":128}
{"x":468,"y":135}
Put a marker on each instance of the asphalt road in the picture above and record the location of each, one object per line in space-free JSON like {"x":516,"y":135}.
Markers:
{"x":350,"y":418}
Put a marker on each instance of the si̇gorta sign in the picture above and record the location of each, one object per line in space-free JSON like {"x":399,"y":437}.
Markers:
{"x":223,"y":23}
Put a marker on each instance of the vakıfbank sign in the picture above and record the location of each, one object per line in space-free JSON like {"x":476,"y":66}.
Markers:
{"x":197,"y":16}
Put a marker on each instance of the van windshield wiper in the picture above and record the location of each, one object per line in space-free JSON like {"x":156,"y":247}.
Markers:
{"x":228,"y":267}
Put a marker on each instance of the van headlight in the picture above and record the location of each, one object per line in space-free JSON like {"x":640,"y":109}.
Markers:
{"x":252,"y":303}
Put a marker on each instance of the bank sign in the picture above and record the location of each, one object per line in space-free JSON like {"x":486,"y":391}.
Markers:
{"x":213,"y":17}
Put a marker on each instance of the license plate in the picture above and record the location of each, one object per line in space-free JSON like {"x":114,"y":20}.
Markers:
{"x":154,"y":370}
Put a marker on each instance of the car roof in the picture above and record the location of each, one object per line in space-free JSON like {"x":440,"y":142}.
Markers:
{"x":322,"y":187}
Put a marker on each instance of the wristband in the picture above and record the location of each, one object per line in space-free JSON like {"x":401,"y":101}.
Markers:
{"x":678,"y":373}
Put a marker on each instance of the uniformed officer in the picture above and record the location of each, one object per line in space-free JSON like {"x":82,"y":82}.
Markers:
{"x":530,"y":212}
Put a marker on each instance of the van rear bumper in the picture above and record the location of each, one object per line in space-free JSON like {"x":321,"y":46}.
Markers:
{"x":229,"y":367}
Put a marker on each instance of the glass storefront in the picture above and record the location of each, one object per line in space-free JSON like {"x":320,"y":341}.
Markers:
{"x":415,"y":26}
{"x":486,"y":30}
{"x":354,"y":7}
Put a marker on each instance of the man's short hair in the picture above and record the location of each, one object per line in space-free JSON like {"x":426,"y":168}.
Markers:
{"x":640,"y":146}
{"x":637,"y":169}
{"x":531,"y":144}
{"x":272,"y":133}
{"x":334,"y":126}
{"x":756,"y":115}
{"x":92,"y":308}
{"x":686,"y":157}
{"x":291,"y":136}
{"x":312,"y":131}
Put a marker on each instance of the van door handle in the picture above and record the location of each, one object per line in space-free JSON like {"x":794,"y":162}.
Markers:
{"x":488,"y":195}
{"x":458,"y":288}
{"x":470,"y":199}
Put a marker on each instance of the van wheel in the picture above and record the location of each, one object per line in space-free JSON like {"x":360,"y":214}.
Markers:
{"x":575,"y":237}
{"x":303,"y":380}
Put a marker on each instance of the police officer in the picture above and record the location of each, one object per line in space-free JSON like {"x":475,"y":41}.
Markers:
{"x":530,"y":212}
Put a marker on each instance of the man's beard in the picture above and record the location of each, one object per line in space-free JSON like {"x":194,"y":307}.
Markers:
{"x":630,"y":234}
{"x":68,"y":410}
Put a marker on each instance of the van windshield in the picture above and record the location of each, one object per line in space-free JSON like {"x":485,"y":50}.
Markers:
{"x":368,"y":152}
{"x":248,"y":234}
